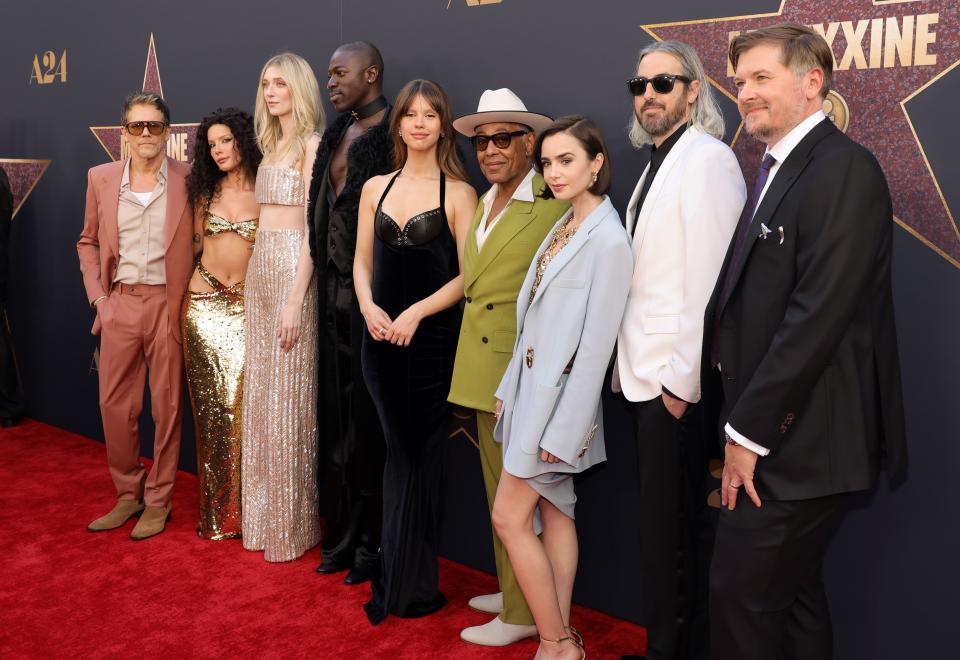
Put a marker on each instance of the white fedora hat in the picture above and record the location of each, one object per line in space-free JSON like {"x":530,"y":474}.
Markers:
{"x":500,"y":105}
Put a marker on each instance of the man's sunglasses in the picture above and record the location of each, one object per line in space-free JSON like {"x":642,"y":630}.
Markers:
{"x":136,"y":127}
{"x":500,"y":140}
{"x":662,"y":83}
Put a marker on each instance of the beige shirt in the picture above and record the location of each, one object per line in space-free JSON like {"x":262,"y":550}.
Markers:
{"x":141,"y":232}
{"x":524,"y":193}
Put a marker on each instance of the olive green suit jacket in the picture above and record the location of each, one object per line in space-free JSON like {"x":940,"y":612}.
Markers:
{"x":491,"y":281}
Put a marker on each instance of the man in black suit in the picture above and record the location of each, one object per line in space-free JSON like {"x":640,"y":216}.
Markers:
{"x":800,"y":354}
{"x":11,"y":395}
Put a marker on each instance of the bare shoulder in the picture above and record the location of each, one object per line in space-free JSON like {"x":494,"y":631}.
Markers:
{"x":313,"y":142}
{"x":461,"y":191}
{"x":376,"y":184}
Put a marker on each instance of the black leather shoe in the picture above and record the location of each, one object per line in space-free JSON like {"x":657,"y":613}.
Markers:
{"x":359,"y":574}
{"x":9,"y":422}
{"x":328,"y":566}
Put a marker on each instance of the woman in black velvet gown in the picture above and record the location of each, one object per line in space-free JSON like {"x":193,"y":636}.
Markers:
{"x":407,"y":273}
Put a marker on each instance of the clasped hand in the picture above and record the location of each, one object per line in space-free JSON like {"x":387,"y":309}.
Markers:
{"x":398,"y":332}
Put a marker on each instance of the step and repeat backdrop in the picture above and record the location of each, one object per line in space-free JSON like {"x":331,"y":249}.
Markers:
{"x":66,"y":66}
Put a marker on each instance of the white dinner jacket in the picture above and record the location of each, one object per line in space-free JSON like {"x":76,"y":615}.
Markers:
{"x":682,"y":234}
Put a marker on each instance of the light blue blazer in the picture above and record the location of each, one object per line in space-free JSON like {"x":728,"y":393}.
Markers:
{"x":575,"y":315}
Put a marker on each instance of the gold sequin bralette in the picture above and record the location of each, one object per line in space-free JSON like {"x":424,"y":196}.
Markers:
{"x":279,"y":184}
{"x":245,"y":229}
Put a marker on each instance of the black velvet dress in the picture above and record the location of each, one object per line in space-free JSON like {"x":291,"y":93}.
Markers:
{"x":410,"y":387}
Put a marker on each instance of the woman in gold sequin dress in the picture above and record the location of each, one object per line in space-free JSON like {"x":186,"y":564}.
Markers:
{"x":550,"y":419}
{"x":280,"y":390}
{"x":220,"y":187}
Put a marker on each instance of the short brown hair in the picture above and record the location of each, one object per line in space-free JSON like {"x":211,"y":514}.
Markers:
{"x":801,"y":49}
{"x":588,"y":134}
{"x":144,"y":98}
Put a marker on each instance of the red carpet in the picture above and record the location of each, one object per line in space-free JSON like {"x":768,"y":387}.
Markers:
{"x":65,"y":592}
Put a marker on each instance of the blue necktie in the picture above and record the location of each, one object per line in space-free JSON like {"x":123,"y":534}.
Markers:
{"x":739,"y":244}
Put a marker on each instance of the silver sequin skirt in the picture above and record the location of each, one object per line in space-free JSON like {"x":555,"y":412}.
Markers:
{"x":279,"y":449}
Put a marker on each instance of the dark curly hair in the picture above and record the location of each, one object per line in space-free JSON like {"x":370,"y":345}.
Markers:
{"x":203,"y":183}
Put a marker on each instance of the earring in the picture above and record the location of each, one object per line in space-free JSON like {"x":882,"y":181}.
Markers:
{"x":400,"y":133}
{"x":594,"y":179}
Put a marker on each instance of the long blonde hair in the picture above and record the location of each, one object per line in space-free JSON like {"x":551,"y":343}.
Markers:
{"x":308,"y":115}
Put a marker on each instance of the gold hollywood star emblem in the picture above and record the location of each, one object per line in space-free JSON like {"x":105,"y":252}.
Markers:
{"x":182,"y":136}
{"x":464,"y":423}
{"x":887,"y":53}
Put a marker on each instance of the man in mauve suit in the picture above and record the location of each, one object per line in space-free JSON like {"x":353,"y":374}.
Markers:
{"x":136,"y":256}
{"x":800,"y":354}
{"x":512,"y":220}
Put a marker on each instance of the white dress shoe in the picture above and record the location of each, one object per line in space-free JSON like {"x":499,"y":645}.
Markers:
{"x":488,"y":604}
{"x":497,"y":633}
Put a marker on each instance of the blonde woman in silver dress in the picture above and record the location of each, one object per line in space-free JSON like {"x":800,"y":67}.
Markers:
{"x":280,"y":390}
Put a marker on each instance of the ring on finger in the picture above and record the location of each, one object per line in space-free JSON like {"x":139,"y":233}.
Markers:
{"x":733,"y":487}
{"x":382,"y":332}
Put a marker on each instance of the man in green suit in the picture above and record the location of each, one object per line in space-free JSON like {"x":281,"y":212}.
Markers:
{"x":510,"y":223}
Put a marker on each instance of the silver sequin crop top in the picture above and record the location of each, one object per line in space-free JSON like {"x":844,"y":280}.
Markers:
{"x":277,"y":184}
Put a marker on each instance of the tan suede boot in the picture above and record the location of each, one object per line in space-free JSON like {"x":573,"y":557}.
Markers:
{"x":122,"y":511}
{"x":151,"y":523}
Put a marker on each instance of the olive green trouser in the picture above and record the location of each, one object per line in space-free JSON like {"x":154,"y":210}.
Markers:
{"x":515,"y":608}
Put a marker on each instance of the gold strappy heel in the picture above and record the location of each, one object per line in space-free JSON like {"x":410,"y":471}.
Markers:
{"x":577,"y":637}
{"x":568,"y":638}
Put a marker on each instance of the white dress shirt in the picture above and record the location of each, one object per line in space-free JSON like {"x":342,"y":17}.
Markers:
{"x":780,"y":151}
{"x":524,"y":193}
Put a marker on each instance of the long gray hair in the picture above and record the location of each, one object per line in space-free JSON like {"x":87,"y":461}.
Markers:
{"x":705,"y":114}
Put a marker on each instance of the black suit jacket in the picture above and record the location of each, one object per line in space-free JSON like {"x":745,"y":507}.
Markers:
{"x":808,"y":347}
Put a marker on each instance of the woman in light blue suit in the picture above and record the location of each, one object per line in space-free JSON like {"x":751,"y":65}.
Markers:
{"x":550,"y":421}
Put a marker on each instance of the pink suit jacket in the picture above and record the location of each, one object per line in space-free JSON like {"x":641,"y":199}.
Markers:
{"x":99,"y":244}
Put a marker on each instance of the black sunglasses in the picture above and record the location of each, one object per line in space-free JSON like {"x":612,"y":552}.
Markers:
{"x":662,"y":83}
{"x":136,"y":127}
{"x":500,"y":140}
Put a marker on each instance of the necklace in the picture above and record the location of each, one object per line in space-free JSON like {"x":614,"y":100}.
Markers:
{"x":370,"y":109}
{"x":560,"y":239}
{"x":565,"y":232}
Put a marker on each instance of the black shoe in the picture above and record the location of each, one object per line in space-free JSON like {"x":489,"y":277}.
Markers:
{"x":328,"y":566}
{"x":9,"y":422}
{"x":359,"y":574}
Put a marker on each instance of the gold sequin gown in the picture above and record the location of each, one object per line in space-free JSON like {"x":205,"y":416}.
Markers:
{"x":279,"y":448}
{"x":213,"y":346}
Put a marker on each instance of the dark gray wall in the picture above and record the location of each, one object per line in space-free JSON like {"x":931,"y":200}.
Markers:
{"x":892,"y":568}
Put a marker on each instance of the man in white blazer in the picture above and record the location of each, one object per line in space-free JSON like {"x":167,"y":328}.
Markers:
{"x":681,"y":217}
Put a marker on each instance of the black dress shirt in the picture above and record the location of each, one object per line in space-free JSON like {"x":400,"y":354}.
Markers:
{"x":657,"y":156}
